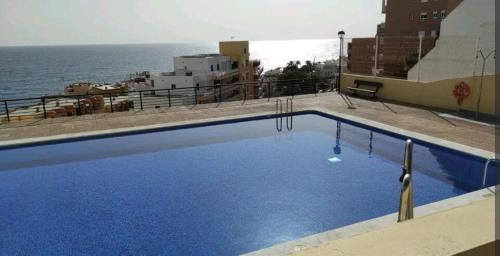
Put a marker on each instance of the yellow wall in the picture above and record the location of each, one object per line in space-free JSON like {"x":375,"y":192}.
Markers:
{"x":237,"y":51}
{"x":438,"y":94}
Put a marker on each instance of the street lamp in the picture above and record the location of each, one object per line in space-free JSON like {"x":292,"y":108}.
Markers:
{"x":341,"y":37}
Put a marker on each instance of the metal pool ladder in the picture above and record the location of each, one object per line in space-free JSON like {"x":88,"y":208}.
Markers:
{"x":288,"y":114}
{"x":485,"y":171}
{"x":406,"y":200}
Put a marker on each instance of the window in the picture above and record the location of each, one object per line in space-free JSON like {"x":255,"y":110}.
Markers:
{"x":218,"y":67}
{"x":423,"y":16}
{"x":174,"y":86}
{"x":435,"y":15}
{"x":443,"y":14}
{"x":245,"y":50}
{"x":411,"y":16}
{"x":211,"y":67}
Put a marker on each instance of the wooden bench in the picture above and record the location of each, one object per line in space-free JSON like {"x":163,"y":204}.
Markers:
{"x":366,"y":87}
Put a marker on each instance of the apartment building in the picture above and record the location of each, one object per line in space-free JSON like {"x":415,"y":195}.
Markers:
{"x":239,"y":54}
{"x":397,"y":38}
{"x":194,"y":71}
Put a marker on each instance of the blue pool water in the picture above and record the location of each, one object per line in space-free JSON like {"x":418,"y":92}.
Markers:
{"x":215,"y":190}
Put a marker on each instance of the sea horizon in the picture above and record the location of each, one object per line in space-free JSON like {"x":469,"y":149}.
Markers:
{"x":34,"y":71}
{"x":156,"y":43}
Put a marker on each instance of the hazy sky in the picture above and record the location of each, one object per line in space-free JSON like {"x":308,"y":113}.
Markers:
{"x":59,"y":22}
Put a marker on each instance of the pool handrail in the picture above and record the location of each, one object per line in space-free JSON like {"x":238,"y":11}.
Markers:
{"x":485,"y":170}
{"x":289,"y":113}
{"x":279,"y":112}
{"x":406,"y":199}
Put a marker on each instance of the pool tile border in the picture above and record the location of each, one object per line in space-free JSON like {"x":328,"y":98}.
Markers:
{"x":241,"y":118}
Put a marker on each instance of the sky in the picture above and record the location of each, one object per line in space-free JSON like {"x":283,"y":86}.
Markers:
{"x":72,"y":22}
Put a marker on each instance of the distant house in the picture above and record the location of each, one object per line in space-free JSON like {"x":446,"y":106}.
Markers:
{"x":204,"y":71}
{"x":193,"y":71}
{"x":89,"y":88}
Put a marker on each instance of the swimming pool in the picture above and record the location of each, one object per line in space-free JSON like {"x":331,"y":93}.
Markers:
{"x":223,"y":189}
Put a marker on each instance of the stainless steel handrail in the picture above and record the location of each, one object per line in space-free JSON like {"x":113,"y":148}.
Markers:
{"x":485,"y":171}
{"x":279,"y":113}
{"x":289,"y":114}
{"x":406,"y":199}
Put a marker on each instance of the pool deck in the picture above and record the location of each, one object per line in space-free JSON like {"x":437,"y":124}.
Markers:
{"x":418,"y":120}
{"x":448,"y":232}
{"x":466,"y":230}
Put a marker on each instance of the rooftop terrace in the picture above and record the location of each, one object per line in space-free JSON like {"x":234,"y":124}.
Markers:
{"x":442,"y":233}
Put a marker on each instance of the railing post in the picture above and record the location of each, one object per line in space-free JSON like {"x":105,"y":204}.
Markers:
{"x":79,"y":106}
{"x":269,"y":90}
{"x":245,"y":88}
{"x":220,"y":93}
{"x":7,"y":110}
{"x":315,"y":87}
{"x":215,"y":93}
{"x":43,"y":106}
{"x":195,"y":96}
{"x":111,"y":102}
{"x":169,"y":100}
{"x":140,"y":98}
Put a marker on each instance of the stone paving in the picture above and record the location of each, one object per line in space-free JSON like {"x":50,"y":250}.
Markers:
{"x":415,"y":119}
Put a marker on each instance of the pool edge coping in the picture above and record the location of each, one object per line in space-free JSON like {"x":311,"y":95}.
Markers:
{"x":370,"y":225}
{"x":219,"y":120}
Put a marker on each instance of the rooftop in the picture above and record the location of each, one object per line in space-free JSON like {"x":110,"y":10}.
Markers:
{"x":210,"y":55}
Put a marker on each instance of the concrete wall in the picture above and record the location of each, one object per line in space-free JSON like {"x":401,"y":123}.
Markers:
{"x":437,"y":94}
{"x":469,"y":28}
{"x":201,"y":65}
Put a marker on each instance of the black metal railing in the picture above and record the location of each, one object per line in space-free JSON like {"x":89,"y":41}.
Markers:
{"x":69,"y":105}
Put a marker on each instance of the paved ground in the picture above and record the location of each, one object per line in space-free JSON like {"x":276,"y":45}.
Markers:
{"x":445,"y":233}
{"x":405,"y":117}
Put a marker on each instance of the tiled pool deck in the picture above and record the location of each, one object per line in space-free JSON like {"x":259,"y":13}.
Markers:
{"x":457,"y":229}
{"x":404,"y":117}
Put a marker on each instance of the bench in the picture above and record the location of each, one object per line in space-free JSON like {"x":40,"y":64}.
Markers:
{"x":366,"y":87}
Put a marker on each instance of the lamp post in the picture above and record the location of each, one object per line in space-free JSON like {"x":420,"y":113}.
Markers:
{"x":341,"y":37}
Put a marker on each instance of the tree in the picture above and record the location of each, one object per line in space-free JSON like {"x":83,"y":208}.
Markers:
{"x":296,"y":79}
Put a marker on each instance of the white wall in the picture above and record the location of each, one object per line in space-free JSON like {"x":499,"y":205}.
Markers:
{"x":165,"y":82}
{"x":200,"y":65}
{"x":467,"y":29}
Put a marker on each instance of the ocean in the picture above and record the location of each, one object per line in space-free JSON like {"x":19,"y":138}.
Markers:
{"x":33,"y":71}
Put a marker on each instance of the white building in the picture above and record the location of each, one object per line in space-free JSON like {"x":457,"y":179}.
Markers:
{"x":193,"y":71}
{"x":202,"y":64}
{"x":468,"y":29}
{"x":328,"y":69}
